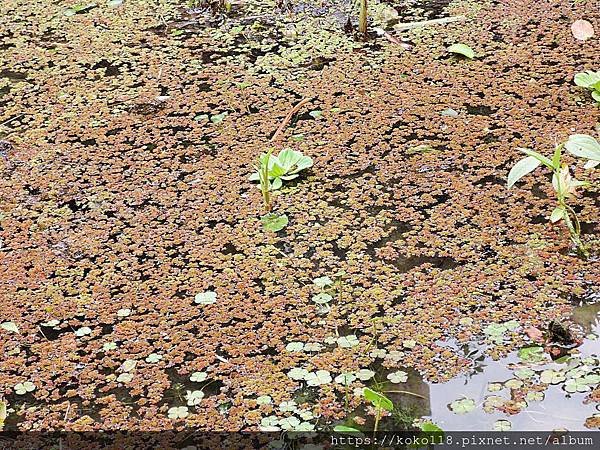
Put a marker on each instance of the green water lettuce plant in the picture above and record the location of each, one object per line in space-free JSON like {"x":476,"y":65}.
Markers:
{"x":589,"y":80}
{"x":283,"y":167}
{"x":563,"y":183}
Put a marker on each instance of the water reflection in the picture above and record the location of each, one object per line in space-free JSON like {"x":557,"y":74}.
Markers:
{"x":556,"y":409}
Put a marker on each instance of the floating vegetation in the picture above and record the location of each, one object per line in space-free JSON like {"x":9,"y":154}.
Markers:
{"x":148,"y":284}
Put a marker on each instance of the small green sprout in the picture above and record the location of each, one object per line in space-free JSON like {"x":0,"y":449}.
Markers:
{"x":589,"y":80}
{"x":564,"y":184}
{"x":273,"y":170}
{"x":262,"y":174}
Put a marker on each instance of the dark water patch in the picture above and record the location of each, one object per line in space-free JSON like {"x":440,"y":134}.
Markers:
{"x":13,"y":75}
{"x":395,"y":230}
{"x":413,"y":10}
{"x":490,"y":179}
{"x":53,"y":333}
{"x":408,"y":263}
{"x":480,"y":110}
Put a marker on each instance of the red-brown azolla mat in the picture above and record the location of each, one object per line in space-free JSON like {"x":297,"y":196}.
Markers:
{"x":124,"y":194}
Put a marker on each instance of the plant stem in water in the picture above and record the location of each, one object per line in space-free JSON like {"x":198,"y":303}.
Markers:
{"x":362,"y":18}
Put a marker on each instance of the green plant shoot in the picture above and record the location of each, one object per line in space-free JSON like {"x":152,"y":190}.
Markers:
{"x":262,"y":171}
{"x":284,"y":167}
{"x":563,"y":183}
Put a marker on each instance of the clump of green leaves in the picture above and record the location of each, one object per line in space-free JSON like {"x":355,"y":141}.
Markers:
{"x":589,"y":80}
{"x":564,"y":184}
{"x":268,"y":167}
{"x":283,"y":167}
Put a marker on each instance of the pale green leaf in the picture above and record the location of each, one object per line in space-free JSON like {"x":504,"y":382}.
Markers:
{"x":318,"y":378}
{"x":345,"y":429}
{"x":502,"y":425}
{"x":274,"y":222}
{"x":558,"y":213}
{"x":587,"y":79}
{"x":322,"y":298}
{"x":322,"y":282}
{"x":3,"y":413}
{"x":9,"y":326}
{"x":522,"y":168}
{"x":583,"y":146}
{"x":462,"y":49}
{"x":462,"y":406}
{"x":205,"y":298}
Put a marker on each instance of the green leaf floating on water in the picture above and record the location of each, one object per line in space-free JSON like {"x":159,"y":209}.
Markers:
{"x":274,"y":222}
{"x":430,"y":428}
{"x":552,"y":377}
{"x":462,"y":49}
{"x":462,"y":406}
{"x":502,"y":425}
{"x":205,"y":298}
{"x":532,"y":354}
{"x":9,"y":326}
{"x":218,"y":118}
